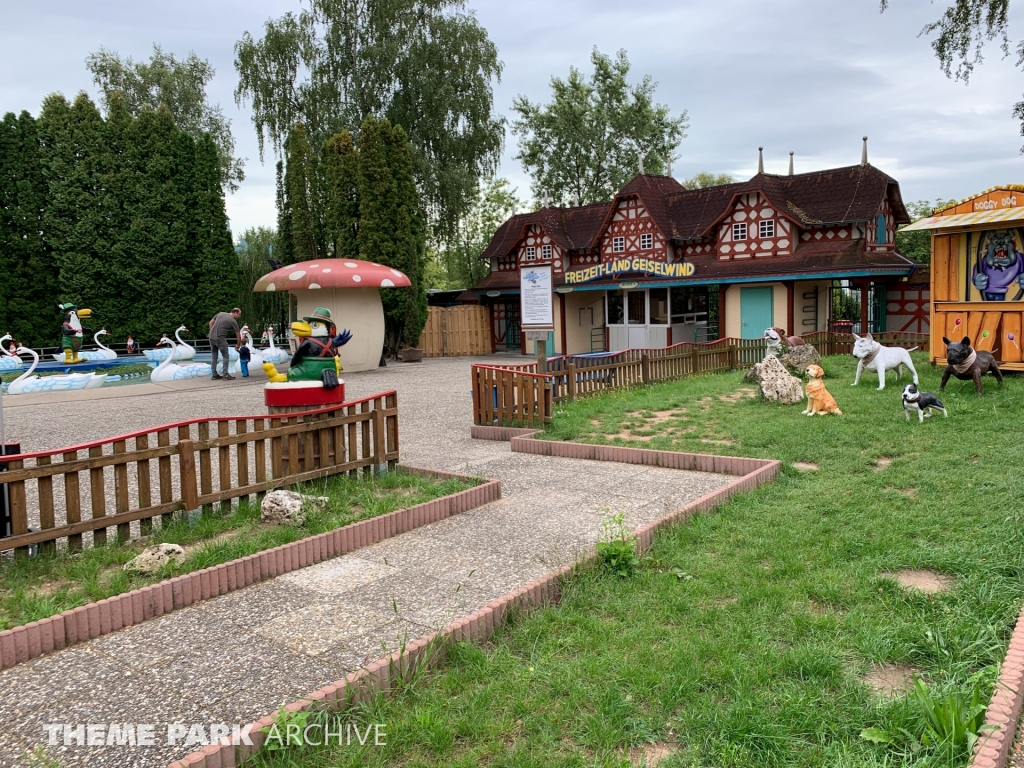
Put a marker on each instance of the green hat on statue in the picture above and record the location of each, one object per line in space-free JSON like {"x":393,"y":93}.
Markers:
{"x":71,"y":307}
{"x":320,"y":315}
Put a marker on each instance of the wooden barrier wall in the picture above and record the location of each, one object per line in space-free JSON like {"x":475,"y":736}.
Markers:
{"x":511,"y":396}
{"x":457,"y":331}
{"x":245,"y":455}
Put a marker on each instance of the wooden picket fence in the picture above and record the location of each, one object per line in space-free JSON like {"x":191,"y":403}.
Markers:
{"x":247,"y":455}
{"x":456,"y":331}
{"x":519,"y":395}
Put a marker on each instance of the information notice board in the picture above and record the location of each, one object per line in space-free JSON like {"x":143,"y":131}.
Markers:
{"x":535,"y":293}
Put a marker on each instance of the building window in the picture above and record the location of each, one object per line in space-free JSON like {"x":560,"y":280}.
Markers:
{"x":766,"y":228}
{"x":531,"y":253}
{"x":545,"y":251}
{"x":739,"y":231}
{"x":618,"y":244}
{"x":880,"y":236}
{"x":636,"y":307}
{"x":647,"y":241}
{"x":659,"y":306}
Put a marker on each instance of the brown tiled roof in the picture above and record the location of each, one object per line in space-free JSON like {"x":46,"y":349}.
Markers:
{"x":571,"y":228}
{"x":853,"y":193}
{"x":652,"y":190}
{"x":837,"y":195}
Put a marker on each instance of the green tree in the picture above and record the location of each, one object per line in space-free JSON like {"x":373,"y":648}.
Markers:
{"x":459,"y":257}
{"x":29,"y":280}
{"x":392,"y":227}
{"x":587,"y":143}
{"x":424,"y":64}
{"x":917,"y":246}
{"x":707,"y":179}
{"x":214,"y":262}
{"x":286,"y":245}
{"x":179,"y":85}
{"x":302,"y":192}
{"x":342,"y":212}
{"x":255,"y":246}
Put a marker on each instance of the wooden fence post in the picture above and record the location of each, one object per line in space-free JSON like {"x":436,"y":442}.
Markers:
{"x":187,"y":472}
{"x":733,"y":365}
{"x":571,"y":380}
{"x":380,"y":465}
{"x":645,"y":368}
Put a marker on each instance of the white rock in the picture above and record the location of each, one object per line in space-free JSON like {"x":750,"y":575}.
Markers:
{"x":798,"y":358}
{"x":289,"y":507}
{"x":152,"y":559}
{"x":776,"y":384}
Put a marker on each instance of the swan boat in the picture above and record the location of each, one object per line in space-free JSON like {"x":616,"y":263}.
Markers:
{"x":27,"y":383}
{"x":274,"y":354}
{"x":101,"y":353}
{"x":171,"y":371}
{"x":179,"y":351}
{"x":8,"y":362}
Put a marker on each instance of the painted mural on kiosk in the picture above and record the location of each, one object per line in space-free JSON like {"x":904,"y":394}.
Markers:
{"x":997,"y":273}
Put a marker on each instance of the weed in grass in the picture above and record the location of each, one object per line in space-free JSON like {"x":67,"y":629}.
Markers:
{"x":617,"y":547}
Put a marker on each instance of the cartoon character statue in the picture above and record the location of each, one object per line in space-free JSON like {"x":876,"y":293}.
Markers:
{"x":316,"y":358}
{"x":71,"y":331}
{"x":999,"y":266}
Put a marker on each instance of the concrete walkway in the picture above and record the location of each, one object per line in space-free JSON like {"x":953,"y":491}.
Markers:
{"x":235,"y":658}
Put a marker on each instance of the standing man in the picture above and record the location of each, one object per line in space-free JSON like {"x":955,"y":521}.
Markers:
{"x":222,"y":325}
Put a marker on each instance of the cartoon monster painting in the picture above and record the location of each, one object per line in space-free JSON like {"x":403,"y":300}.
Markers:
{"x":999,"y":267}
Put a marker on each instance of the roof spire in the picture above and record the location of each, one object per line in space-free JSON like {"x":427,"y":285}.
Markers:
{"x":864,"y":152}
{"x":544,"y":199}
{"x":760,"y":159}
{"x":641,"y":156}
{"x":790,"y":163}
{"x":668,"y":171}
{"x":514,"y":206}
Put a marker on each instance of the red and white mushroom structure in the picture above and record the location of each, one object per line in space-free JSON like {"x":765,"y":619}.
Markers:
{"x":350,"y":289}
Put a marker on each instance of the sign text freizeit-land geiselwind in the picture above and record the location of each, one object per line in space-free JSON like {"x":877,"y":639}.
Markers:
{"x":620,"y":266}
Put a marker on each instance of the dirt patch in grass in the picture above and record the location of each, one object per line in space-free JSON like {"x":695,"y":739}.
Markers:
{"x":888,"y":680}
{"x":48,"y":588}
{"x":625,"y":434}
{"x":882,"y":462}
{"x":923,"y":580}
{"x":726,"y":441}
{"x":739,"y":394}
{"x":805,"y":466}
{"x":220,"y":538}
{"x":650,"y":755}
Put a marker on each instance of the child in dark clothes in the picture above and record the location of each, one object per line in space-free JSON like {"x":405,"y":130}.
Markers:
{"x":243,"y":360}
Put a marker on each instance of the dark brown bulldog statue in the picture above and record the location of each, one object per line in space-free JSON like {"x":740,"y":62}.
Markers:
{"x":966,"y":363}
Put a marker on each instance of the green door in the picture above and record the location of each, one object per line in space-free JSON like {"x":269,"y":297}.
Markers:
{"x":756,"y":312}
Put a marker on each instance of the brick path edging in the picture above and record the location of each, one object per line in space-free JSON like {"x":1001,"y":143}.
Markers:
{"x":480,"y":625}
{"x":78,"y":625}
{"x":1004,"y":708}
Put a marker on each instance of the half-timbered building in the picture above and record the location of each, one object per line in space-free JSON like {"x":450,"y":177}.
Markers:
{"x":659,"y":264}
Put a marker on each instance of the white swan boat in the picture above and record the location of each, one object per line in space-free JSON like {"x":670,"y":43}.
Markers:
{"x":171,"y":371}
{"x":180,"y":351}
{"x":101,"y":353}
{"x":256,"y":357}
{"x":274,"y":354}
{"x":27,"y":383}
{"x":8,"y":362}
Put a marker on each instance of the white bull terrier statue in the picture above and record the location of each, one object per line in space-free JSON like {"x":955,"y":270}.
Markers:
{"x":872,"y":356}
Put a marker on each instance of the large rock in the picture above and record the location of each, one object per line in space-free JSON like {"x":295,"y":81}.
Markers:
{"x":289,"y":507}
{"x":798,"y":358}
{"x":152,"y":559}
{"x":776,"y":384}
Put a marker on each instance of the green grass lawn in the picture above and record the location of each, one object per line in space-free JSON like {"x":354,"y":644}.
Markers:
{"x":746,"y":635}
{"x":34,"y":588}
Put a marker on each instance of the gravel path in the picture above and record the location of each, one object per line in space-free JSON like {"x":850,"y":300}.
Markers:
{"x":235,"y":658}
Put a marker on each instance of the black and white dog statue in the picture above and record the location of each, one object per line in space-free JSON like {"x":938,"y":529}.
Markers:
{"x":925,"y":403}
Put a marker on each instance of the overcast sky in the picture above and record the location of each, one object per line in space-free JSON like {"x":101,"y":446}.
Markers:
{"x":808,"y":76}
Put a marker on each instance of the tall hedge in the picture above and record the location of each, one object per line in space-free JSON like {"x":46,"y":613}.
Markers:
{"x":28,"y":273}
{"x":121,"y":214}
